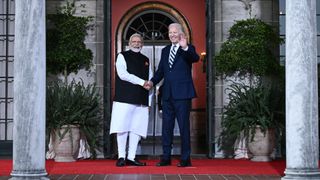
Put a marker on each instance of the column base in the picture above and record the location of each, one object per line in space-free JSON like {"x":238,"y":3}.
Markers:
{"x":29,"y":178}
{"x":32,"y":175}
{"x":298,"y":173}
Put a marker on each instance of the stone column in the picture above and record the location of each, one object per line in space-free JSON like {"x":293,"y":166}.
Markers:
{"x":29,"y":90}
{"x":302,"y":141}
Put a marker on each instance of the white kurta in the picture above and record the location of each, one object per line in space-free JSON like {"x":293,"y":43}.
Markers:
{"x":129,"y":117}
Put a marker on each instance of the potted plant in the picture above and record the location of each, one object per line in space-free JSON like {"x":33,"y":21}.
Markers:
{"x":73,"y":107}
{"x":70,"y":106}
{"x":249,"y":108}
{"x":249,"y":53}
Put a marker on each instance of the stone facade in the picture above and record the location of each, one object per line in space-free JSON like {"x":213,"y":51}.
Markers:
{"x":226,"y":13}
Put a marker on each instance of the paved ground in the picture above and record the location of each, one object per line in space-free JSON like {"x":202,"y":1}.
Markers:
{"x":156,"y":177}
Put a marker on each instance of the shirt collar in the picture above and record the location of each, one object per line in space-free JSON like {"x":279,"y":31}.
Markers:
{"x":177,"y":46}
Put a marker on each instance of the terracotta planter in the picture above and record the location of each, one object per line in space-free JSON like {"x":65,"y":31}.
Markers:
{"x":262,"y":145}
{"x":66,"y":148}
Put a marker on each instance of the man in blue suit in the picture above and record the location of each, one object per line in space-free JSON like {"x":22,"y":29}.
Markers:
{"x":178,"y":90}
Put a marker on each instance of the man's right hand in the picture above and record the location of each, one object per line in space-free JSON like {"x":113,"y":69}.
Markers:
{"x":148,"y":85}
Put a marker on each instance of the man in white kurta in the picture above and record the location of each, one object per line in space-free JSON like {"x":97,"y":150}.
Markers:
{"x":130,"y":117}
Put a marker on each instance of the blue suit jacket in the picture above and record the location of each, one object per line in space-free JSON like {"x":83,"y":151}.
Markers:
{"x":177,"y":80}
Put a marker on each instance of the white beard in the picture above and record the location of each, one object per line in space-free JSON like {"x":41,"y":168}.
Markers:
{"x":135,"y":49}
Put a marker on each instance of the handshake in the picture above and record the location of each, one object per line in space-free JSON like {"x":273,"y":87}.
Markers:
{"x":148,"y":85}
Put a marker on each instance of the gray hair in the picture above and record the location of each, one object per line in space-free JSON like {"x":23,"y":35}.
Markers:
{"x":136,"y":35}
{"x":178,"y":26}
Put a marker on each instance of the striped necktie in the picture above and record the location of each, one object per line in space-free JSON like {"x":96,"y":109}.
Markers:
{"x":172,"y":55}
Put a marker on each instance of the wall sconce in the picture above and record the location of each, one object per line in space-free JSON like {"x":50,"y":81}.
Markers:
{"x":203,"y":58}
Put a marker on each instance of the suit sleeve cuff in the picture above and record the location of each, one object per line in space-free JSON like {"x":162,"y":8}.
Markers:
{"x":185,"y":49}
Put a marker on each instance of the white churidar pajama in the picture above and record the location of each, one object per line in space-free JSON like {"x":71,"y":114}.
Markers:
{"x":129,"y":118}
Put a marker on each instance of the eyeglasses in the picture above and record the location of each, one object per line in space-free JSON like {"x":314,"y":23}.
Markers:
{"x":136,"y":42}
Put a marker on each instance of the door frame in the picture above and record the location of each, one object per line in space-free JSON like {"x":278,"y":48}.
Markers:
{"x":107,"y":99}
{"x":149,"y":6}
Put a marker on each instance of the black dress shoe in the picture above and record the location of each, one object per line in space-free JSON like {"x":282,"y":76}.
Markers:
{"x":121,"y":162}
{"x":164,"y":163}
{"x":136,"y":162}
{"x":184,"y":163}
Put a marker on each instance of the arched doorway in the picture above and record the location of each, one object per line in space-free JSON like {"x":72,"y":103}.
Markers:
{"x":151,"y":20}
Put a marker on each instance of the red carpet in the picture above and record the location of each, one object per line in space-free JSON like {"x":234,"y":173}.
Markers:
{"x":200,"y":166}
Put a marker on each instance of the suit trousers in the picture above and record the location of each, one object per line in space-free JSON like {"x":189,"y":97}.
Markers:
{"x":173,"y":109}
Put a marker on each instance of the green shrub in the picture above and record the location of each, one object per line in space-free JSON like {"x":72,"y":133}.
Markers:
{"x":66,"y":51}
{"x":250,"y":107}
{"x":249,"y":50}
{"x":75,"y":104}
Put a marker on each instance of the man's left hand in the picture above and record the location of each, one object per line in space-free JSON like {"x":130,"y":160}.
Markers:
{"x":183,"y":41}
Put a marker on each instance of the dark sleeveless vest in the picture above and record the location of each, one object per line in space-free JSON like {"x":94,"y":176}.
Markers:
{"x":126,"y":92}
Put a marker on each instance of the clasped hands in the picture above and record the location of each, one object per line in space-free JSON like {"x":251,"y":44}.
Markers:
{"x":148,"y":85}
